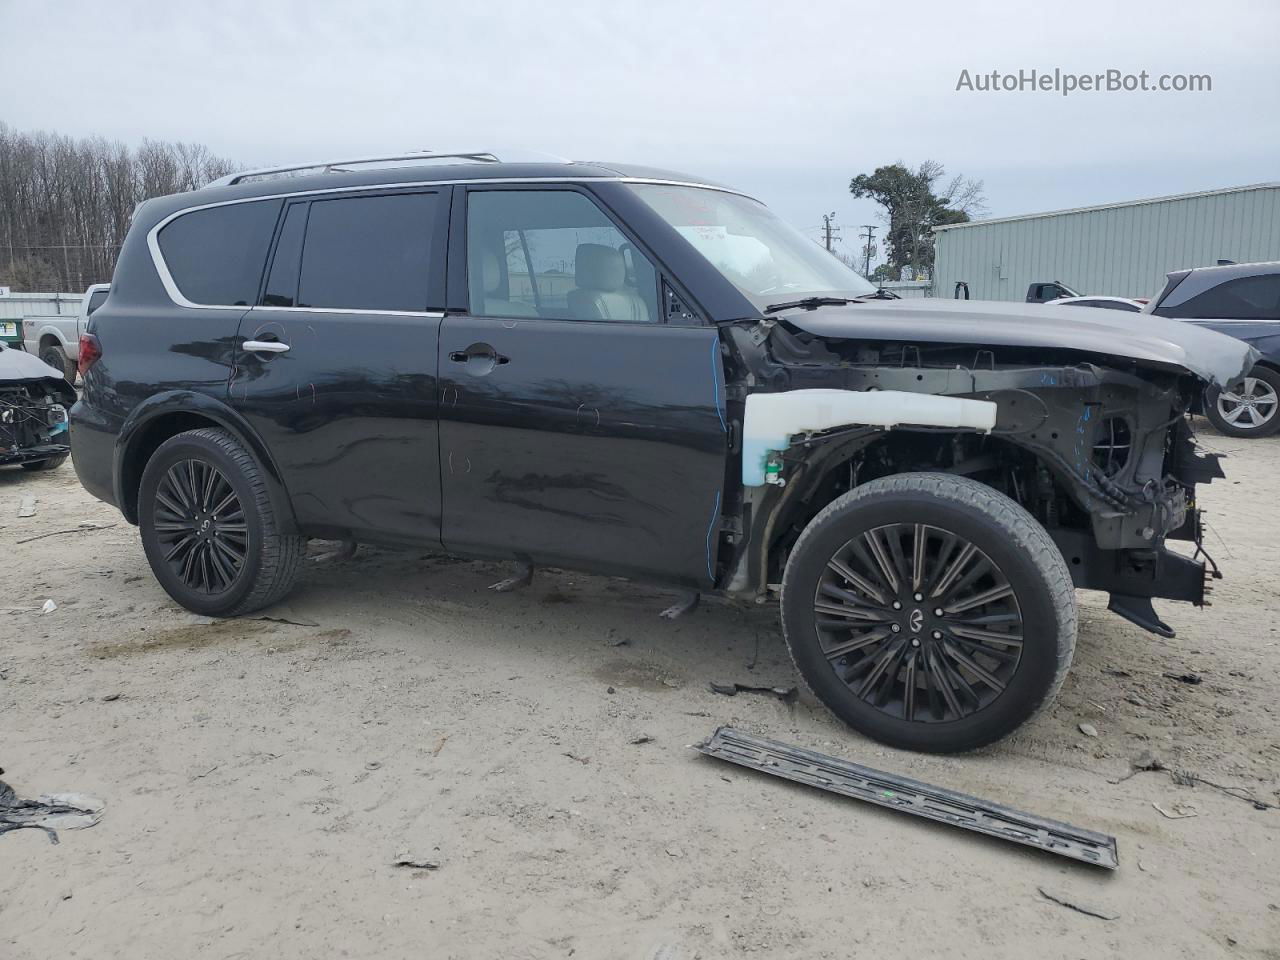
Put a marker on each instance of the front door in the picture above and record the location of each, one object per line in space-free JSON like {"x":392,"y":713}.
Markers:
{"x":577,"y":427}
{"x":336,"y":366}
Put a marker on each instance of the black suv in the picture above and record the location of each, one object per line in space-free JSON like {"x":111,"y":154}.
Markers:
{"x":640,"y":373}
{"x":1242,"y":300}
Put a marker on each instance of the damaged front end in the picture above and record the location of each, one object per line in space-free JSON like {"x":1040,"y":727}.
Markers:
{"x":1094,"y":442}
{"x":34,"y":402}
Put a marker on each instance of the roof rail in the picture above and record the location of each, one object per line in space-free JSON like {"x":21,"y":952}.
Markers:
{"x":327,"y":166}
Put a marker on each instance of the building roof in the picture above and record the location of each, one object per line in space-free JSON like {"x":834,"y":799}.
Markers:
{"x":1109,"y":206}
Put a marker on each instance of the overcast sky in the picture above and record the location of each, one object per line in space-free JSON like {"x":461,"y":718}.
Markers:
{"x":786,"y":100}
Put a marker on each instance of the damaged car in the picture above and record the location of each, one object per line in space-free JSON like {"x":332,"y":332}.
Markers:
{"x":643,"y":374}
{"x":34,"y":401}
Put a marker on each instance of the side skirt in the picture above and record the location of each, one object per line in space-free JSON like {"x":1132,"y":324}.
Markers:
{"x":911,"y":796}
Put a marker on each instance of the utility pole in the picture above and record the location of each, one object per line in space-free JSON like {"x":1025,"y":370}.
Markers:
{"x":866,"y":250}
{"x":830,"y":232}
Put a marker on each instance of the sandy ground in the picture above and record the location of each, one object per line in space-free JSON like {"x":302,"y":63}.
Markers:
{"x":262,"y":777}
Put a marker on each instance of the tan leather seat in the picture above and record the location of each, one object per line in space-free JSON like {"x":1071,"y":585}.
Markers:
{"x":600,"y":276}
{"x":495,"y":306}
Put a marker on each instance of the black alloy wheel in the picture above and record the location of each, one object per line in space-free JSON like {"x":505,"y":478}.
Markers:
{"x":200,"y":524}
{"x":929,"y":611}
{"x":918,"y":622}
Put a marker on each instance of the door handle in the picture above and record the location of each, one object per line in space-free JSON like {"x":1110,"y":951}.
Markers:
{"x":264,"y":346}
{"x":485,"y":356}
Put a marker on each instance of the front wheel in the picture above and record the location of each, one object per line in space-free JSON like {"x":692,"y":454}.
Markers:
{"x":929,"y":612}
{"x":209,"y":528}
{"x":1253,"y":410}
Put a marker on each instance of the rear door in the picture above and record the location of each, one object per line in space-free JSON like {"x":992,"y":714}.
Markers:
{"x":577,"y":426}
{"x":336,"y":365}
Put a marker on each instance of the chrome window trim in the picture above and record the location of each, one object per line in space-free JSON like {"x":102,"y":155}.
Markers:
{"x":171,"y":286}
{"x":380,"y":313}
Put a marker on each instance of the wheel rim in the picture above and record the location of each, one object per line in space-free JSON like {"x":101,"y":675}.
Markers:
{"x":1251,"y":407}
{"x":918,"y":622}
{"x":200,"y":525}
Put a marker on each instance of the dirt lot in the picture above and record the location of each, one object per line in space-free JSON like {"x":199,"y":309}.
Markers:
{"x":261,"y":777}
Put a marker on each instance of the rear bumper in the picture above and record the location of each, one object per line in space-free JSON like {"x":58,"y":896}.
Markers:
{"x":93,"y":443}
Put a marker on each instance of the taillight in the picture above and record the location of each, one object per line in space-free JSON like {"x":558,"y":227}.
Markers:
{"x":90,"y":351}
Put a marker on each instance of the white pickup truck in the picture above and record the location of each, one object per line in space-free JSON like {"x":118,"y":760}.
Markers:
{"x":56,"y":340}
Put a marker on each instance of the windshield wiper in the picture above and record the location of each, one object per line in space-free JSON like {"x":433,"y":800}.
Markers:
{"x":809,"y":303}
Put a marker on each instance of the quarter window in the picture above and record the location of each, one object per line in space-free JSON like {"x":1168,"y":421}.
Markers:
{"x":366,"y":253}
{"x":553,"y":254}
{"x":216,"y":255}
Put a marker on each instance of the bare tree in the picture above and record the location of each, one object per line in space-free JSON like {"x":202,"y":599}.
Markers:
{"x":65,"y":204}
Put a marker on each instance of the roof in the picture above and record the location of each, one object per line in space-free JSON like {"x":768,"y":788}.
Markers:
{"x":1109,"y":206}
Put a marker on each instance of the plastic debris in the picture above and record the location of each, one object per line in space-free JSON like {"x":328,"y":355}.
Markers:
{"x":415,"y":862}
{"x":48,"y":812}
{"x":785,"y":694}
{"x":27,"y":507}
{"x":49,"y":607}
{"x":1088,"y":911}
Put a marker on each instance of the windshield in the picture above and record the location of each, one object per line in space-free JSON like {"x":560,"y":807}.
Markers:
{"x":767,"y":259}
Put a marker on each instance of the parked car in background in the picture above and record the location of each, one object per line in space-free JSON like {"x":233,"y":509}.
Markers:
{"x":1125,"y":304}
{"x":1049,"y":290}
{"x":1243,"y":301}
{"x":56,"y":340}
{"x":643,"y":374}
{"x":34,"y":402}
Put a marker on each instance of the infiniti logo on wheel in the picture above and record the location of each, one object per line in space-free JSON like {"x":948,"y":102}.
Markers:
{"x":916,"y":620}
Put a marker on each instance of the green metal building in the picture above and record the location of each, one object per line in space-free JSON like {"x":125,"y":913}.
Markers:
{"x":1116,"y":249}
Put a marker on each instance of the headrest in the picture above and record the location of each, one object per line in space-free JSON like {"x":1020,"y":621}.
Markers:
{"x":490,"y":271}
{"x":598,"y":267}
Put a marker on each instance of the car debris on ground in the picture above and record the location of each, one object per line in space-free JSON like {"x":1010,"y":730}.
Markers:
{"x":48,"y":812}
{"x":910,"y":796}
{"x":1088,"y":911}
{"x":785,"y":694}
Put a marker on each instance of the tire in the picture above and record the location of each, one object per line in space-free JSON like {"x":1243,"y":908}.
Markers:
{"x":1255,"y":406}
{"x":57,"y":358}
{"x":53,"y":463}
{"x":220,"y":518}
{"x":831,"y":646}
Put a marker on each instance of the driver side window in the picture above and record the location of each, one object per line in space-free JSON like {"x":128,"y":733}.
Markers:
{"x":553,"y":254}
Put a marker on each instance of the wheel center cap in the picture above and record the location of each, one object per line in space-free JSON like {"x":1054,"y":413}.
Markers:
{"x":916,"y":620}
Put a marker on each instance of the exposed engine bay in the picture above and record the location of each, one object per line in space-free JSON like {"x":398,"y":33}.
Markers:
{"x":1098,"y":448}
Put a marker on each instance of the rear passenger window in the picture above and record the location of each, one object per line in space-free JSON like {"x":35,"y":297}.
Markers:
{"x":553,"y":254}
{"x":216,"y":256}
{"x":1245,"y":298}
{"x":366,"y":253}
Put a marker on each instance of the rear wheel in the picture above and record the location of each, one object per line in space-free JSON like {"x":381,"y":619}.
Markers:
{"x":929,"y":611}
{"x":209,"y":529}
{"x":57,"y":358}
{"x":1252,"y":410}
